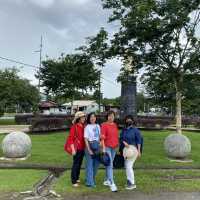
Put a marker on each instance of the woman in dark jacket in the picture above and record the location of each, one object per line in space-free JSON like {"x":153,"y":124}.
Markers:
{"x":130,"y":143}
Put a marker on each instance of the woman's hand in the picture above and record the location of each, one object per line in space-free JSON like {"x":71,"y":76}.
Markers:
{"x":90,"y":152}
{"x":73,"y":152}
{"x":139,"y":154}
{"x":126,"y":144}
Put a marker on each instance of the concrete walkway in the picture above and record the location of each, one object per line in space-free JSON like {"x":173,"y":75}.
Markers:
{"x":11,"y":128}
{"x":132,"y":195}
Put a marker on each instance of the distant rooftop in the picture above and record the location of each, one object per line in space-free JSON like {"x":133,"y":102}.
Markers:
{"x":81,"y":103}
{"x":48,"y":104}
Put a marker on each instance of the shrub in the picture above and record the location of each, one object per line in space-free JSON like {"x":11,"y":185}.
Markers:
{"x":1,"y":109}
{"x":152,"y":122}
{"x":23,"y":118}
{"x":49,"y":124}
{"x":143,"y":121}
{"x":197,"y":124}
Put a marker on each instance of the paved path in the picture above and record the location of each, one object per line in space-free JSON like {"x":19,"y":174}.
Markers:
{"x":124,"y":196}
{"x":139,"y":196}
{"x":11,"y":128}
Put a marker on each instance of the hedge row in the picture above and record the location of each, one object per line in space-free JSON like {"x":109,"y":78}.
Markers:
{"x":48,"y":124}
{"x":40,"y":123}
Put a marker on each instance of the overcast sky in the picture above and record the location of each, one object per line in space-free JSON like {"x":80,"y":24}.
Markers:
{"x":64,"y":25}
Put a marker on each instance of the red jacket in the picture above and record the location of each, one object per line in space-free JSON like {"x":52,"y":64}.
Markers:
{"x":77,"y":132}
{"x":109,"y":133}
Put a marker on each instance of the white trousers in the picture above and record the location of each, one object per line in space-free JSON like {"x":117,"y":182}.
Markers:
{"x":129,"y":166}
{"x":129,"y":171}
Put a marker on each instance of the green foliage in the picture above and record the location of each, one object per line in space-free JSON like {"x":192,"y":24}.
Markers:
{"x":96,"y":47}
{"x":1,"y":110}
{"x":16,"y":93}
{"x":154,"y":31}
{"x":141,"y":100}
{"x":68,"y":76}
{"x":113,"y":102}
{"x":163,"y":95}
{"x":159,"y":36}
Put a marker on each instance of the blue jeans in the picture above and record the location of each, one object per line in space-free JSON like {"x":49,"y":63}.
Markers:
{"x":109,"y":169}
{"x":91,"y":169}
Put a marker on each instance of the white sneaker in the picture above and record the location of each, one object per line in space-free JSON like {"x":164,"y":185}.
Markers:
{"x":106,"y":183}
{"x":113,"y":188}
{"x":131,"y":187}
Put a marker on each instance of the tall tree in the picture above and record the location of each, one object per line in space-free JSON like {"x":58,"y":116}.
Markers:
{"x":163,"y":94}
{"x":69,"y":75}
{"x":17,"y":94}
{"x":97,"y":49}
{"x":162,"y":35}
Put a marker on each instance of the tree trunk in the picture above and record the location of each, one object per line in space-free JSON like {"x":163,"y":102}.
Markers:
{"x":72,"y":104}
{"x":178,"y":108}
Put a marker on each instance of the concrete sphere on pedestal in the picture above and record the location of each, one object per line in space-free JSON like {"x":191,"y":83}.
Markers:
{"x":177,"y":146}
{"x":16,"y":145}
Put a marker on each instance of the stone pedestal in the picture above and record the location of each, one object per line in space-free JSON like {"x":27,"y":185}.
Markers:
{"x":128,"y":97}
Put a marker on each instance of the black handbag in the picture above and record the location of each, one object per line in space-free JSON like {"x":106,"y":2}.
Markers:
{"x":118,"y":162}
{"x":95,"y":145}
{"x":104,"y":159}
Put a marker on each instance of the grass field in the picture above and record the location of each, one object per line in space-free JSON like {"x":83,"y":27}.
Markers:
{"x":49,"y":149}
{"x":7,"y":122}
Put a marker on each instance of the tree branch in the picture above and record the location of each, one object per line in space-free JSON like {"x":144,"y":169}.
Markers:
{"x":189,"y":39}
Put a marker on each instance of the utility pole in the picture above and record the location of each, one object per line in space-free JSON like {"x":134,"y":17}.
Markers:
{"x":41,"y":45}
{"x":40,"y":51}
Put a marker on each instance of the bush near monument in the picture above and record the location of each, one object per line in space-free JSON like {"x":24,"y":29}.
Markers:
{"x":52,"y":122}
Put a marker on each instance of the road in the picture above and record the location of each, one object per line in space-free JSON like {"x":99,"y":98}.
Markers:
{"x":132,"y":195}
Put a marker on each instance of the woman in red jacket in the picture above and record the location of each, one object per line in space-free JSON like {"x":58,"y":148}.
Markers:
{"x":76,"y":140}
{"x":110,"y":141}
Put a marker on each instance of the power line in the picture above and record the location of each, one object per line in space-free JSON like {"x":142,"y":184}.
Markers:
{"x":18,"y":62}
{"x":35,"y":67}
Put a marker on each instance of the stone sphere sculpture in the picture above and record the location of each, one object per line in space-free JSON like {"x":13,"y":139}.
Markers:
{"x":16,"y":145}
{"x":177,"y":146}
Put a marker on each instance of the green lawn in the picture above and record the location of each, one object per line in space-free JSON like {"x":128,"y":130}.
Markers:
{"x":49,"y":149}
{"x":7,"y":122}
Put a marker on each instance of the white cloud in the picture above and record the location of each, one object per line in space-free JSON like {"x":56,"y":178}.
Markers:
{"x":43,"y":3}
{"x":64,"y":25}
{"x":76,"y":2}
{"x":64,"y":33}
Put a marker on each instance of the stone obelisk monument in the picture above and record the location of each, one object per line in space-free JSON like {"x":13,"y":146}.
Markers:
{"x":128,"y":90}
